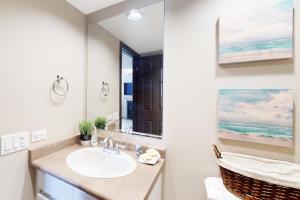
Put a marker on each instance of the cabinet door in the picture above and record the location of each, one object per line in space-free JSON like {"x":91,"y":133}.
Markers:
{"x":156,"y":190}
{"x":80,"y":195}
{"x":57,"y":188}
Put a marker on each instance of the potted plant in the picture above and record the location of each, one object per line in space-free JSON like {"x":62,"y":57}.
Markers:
{"x":100,"y":123}
{"x":85,"y":129}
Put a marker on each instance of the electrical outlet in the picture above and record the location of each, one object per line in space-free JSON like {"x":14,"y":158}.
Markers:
{"x":38,"y":135}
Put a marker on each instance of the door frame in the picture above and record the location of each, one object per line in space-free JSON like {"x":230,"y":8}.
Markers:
{"x":135,"y":56}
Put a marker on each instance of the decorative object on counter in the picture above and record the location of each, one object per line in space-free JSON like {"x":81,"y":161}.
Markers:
{"x":60,"y":86}
{"x":263,"y":30}
{"x":250,"y":177}
{"x":150,"y":157}
{"x":85,"y":129}
{"x":100,"y":123}
{"x":256,"y":115}
{"x":138,"y":150}
{"x":94,"y":138}
{"x":104,"y":91}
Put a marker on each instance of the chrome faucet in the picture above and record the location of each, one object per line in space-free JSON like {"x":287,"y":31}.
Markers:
{"x":110,"y":147}
{"x":108,"y":144}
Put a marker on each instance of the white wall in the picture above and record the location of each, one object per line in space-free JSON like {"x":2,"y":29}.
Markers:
{"x":190,"y":118}
{"x":39,"y":39}
{"x":103,"y":65}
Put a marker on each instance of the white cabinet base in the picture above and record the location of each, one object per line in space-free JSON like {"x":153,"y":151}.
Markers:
{"x":156,"y":190}
{"x":57,"y":189}
{"x":52,"y":188}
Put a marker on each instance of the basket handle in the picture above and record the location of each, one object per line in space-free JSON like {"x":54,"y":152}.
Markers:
{"x":217,"y":152}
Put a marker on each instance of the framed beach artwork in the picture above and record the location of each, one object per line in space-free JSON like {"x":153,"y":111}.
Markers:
{"x":262,"y":30}
{"x":256,"y":115}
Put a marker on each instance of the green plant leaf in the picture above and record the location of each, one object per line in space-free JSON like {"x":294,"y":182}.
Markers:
{"x":100,"y":123}
{"x":85,"y":127}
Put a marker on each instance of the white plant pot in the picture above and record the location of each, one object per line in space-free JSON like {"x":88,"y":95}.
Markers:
{"x":85,"y":142}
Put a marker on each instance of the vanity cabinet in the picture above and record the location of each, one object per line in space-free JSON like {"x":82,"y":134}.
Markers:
{"x":56,"y":189}
{"x":52,"y":188}
{"x":156,"y":190}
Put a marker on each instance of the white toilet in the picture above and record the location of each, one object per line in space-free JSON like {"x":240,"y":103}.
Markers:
{"x":215,"y":190}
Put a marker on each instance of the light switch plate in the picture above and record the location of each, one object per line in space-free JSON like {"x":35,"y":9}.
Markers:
{"x":14,"y":142}
{"x":24,"y":140}
{"x":6,"y":144}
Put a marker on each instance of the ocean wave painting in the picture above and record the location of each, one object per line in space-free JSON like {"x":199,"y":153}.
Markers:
{"x":260,"y":31}
{"x":256,"y":115}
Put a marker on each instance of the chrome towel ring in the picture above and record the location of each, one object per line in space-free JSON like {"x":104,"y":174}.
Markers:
{"x":60,"y":86}
{"x":105,"y":89}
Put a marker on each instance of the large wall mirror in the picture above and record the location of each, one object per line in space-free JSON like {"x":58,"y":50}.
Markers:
{"x":125,"y":70}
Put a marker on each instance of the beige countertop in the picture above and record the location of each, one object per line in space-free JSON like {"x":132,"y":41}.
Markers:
{"x":135,"y":186}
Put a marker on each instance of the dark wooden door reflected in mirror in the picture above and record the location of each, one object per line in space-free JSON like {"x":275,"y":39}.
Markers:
{"x":148,"y":95}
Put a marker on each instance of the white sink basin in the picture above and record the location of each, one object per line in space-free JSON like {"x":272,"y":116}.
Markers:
{"x":94,"y":162}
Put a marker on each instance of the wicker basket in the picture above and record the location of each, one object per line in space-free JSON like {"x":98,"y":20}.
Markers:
{"x":252,"y":189}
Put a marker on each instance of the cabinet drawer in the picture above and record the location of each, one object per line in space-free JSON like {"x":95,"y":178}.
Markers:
{"x":55,"y":187}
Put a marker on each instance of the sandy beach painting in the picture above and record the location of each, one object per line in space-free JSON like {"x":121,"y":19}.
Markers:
{"x":256,"y":115}
{"x":260,"y":31}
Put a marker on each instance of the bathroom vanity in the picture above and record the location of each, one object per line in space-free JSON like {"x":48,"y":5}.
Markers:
{"x":51,"y":187}
{"x":56,"y":180}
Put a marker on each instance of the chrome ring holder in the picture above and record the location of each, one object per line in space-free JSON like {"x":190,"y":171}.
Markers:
{"x":105,"y":89}
{"x":60,"y":86}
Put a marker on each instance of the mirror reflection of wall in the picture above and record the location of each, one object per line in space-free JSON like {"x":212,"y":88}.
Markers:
{"x":126,"y":51}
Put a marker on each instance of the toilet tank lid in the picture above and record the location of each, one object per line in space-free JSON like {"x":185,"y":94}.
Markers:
{"x":215,"y":190}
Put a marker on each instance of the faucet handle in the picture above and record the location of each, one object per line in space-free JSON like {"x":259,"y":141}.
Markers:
{"x":138,"y":150}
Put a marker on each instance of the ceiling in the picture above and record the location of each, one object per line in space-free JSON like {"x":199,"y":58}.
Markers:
{"x":144,"y":36}
{"x":90,"y":6}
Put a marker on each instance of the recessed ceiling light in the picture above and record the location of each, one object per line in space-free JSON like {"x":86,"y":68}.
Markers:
{"x":135,"y":15}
